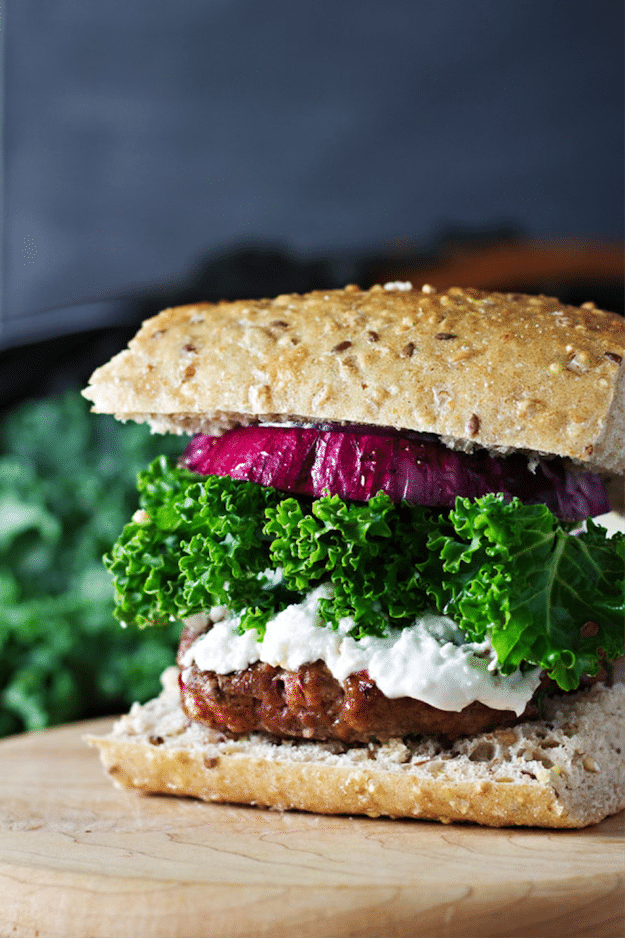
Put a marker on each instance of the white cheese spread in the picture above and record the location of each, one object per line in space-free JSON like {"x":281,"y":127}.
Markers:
{"x":429,"y":660}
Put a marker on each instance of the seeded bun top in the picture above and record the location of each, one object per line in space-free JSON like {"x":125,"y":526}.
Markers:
{"x":500,"y":371}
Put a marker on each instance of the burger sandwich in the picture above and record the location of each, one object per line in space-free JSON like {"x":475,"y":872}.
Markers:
{"x":379,"y":544}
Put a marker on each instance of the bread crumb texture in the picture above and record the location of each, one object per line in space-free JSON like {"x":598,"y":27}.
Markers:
{"x":566,"y":770}
{"x":480,"y":369}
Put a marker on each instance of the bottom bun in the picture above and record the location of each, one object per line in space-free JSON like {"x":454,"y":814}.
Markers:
{"x":566,"y":770}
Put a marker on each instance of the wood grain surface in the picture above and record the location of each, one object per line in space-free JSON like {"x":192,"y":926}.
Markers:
{"x":79,"y":858}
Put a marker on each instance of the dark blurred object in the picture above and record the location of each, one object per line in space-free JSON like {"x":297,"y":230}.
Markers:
{"x":53,"y":366}
{"x":572,"y":270}
{"x":66,"y":361}
{"x":498,"y":258}
{"x":253,"y":271}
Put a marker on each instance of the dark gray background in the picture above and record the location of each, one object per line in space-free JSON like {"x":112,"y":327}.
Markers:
{"x":142,"y":137}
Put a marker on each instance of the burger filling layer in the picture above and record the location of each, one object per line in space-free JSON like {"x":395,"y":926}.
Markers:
{"x":377,"y":583}
{"x":306,"y":680}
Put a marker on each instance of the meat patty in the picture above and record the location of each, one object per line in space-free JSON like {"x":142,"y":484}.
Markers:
{"x":311,"y":704}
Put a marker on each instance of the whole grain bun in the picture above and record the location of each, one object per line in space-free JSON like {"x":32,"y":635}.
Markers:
{"x":566,"y":770}
{"x":501,"y":371}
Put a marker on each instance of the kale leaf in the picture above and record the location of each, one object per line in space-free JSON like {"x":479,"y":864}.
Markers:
{"x":504,"y":571}
{"x":67,"y":487}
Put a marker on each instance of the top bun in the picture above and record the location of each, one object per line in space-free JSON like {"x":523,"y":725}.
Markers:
{"x":501,"y":371}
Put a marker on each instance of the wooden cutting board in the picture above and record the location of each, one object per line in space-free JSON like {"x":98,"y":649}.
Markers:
{"x":79,"y":858}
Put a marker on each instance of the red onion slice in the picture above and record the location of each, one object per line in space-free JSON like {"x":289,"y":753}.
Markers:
{"x":358,"y":462}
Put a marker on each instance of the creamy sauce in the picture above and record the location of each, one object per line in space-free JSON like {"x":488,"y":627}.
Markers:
{"x":428,"y":661}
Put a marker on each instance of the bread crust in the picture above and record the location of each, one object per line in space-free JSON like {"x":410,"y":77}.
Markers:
{"x":565,"y":770}
{"x":501,"y":371}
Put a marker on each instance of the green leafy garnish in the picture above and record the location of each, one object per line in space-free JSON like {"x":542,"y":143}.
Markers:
{"x":202,"y":546}
{"x":543,"y":596}
{"x":67,"y":486}
{"x":369,"y":553}
{"x":217,"y":541}
{"x":504,"y":571}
